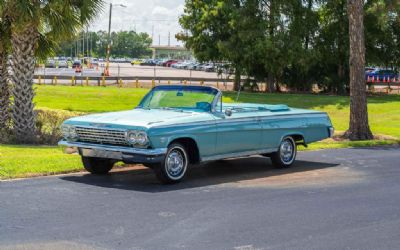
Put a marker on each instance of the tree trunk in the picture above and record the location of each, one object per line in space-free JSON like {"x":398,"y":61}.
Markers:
{"x":359,"y":127}
{"x":271,"y":87}
{"x":23,"y":68}
{"x":4,"y":93}
{"x":309,"y":10}
{"x":237,"y":81}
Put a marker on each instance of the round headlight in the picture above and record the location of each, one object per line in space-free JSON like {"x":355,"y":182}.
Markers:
{"x":72,"y":133}
{"x":65,"y":130}
{"x":69,"y":132}
{"x":131,"y":137}
{"x":141,"y":138}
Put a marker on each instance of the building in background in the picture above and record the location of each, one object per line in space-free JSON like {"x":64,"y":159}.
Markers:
{"x":173,"y":52}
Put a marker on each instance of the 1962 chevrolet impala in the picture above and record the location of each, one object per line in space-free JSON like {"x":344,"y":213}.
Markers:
{"x":176,"y":126}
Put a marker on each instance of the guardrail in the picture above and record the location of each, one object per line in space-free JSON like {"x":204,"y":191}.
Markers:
{"x":151,"y":81}
{"x":130,"y":81}
{"x":386,"y":85}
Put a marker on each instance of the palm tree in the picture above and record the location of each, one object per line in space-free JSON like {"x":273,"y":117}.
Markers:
{"x":4,"y":86}
{"x":36,"y":23}
{"x":359,"y":127}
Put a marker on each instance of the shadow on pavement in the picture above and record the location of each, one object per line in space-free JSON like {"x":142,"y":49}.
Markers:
{"x":213,"y":173}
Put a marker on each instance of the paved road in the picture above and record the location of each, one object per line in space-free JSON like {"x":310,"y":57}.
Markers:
{"x":332,"y":199}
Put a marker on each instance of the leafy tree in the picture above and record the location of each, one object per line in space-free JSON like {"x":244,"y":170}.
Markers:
{"x":206,"y":26}
{"x":124,"y":44}
{"x":382,"y":33}
{"x":293,"y":43}
{"x":35,"y":27}
{"x":130,"y":44}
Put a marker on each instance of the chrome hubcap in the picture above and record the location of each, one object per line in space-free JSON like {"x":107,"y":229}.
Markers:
{"x":175,"y":163}
{"x":287,"y":151}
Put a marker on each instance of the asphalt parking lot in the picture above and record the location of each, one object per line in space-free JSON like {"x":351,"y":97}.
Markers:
{"x":330,"y":199}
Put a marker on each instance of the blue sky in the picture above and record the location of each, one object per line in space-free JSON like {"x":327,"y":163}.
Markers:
{"x":143,"y":15}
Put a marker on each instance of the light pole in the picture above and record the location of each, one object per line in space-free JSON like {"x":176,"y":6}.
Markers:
{"x":106,"y":71}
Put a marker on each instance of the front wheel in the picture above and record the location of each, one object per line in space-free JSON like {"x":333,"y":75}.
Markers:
{"x":286,"y":154}
{"x":97,"y":166}
{"x":173,"y":168}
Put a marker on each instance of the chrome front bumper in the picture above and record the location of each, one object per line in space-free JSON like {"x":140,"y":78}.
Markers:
{"x":125,"y":154}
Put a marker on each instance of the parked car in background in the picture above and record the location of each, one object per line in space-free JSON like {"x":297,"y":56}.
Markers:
{"x":161,"y":62}
{"x":183,"y":65}
{"x":169,"y":63}
{"x":209,"y":67}
{"x":369,"y":69}
{"x":136,"y":62}
{"x":174,"y":127}
{"x":62,"y":64}
{"x":177,"y":65}
{"x":381,"y":74}
{"x":94,"y":62}
{"x":193,"y":66}
{"x":76,"y":64}
{"x":148,"y":62}
{"x":50,"y":63}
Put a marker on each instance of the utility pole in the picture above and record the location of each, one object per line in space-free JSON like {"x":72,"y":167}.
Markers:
{"x":83,"y":43}
{"x":106,"y":71}
{"x":91,"y":45}
{"x":159,"y":39}
{"x":152,"y":34}
{"x":87,"y":41}
{"x":169,"y":39}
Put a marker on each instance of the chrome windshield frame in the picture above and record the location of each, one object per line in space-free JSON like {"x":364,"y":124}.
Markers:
{"x":216,"y":92}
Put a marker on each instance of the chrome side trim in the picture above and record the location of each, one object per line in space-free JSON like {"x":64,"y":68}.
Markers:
{"x":243,"y":119}
{"x":140,"y":151}
{"x":238,"y":154}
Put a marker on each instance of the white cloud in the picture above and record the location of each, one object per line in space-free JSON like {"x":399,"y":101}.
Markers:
{"x":144,"y":16}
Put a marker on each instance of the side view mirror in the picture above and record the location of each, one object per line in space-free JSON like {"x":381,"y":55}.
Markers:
{"x":228,"y":112}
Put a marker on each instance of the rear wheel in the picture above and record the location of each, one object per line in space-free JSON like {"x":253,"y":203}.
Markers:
{"x":97,"y":166}
{"x":286,"y":154}
{"x":173,"y":168}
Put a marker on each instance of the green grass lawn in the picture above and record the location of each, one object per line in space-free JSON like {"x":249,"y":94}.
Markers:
{"x":23,"y":161}
{"x":19,"y":161}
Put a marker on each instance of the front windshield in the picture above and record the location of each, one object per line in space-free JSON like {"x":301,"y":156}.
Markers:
{"x":183,"y":98}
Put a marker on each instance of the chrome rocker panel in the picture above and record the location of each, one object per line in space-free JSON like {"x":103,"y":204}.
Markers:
{"x":125,"y":154}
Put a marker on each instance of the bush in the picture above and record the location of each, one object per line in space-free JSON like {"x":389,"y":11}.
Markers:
{"x":48,"y":122}
{"x":5,"y":135}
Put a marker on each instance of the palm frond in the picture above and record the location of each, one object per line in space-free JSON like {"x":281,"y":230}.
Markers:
{"x":46,"y":46}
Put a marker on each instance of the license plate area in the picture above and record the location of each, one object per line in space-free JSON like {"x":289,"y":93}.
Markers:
{"x":98,"y":153}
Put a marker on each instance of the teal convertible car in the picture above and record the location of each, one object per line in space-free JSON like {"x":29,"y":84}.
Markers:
{"x":176,"y":126}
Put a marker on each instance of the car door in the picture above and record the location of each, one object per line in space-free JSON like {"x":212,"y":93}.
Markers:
{"x":237,"y":133}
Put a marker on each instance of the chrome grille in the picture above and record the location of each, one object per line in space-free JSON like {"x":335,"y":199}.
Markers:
{"x":101,"y":136}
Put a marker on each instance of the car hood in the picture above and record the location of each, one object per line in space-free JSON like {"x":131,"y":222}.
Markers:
{"x":133,"y":118}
